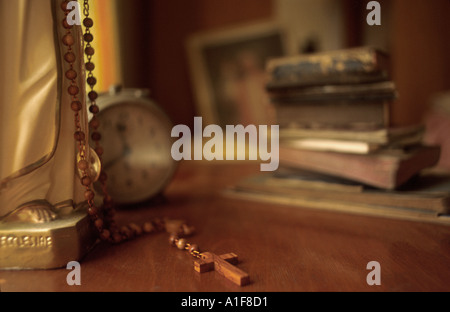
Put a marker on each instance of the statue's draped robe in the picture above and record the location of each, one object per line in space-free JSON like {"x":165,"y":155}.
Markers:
{"x":37,"y":147}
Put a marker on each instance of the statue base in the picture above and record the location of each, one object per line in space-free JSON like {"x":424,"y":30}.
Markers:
{"x":49,"y":245}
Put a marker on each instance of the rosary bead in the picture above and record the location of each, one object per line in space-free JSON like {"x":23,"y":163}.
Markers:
{"x":137,"y":230}
{"x":94,"y":123}
{"x":126,"y":231}
{"x":173,"y":239}
{"x":64,"y":5}
{"x":96,"y":136}
{"x":94,"y":109}
{"x":73,"y":90}
{"x":86,"y":181}
{"x":93,"y":95}
{"x":181,"y":243}
{"x":70,"y":57}
{"x":66,"y":24}
{"x":148,"y":227}
{"x":92,"y":81}
{"x":89,"y":51}
{"x":76,"y":106}
{"x":105,"y":235}
{"x":88,"y":37}
{"x":90,"y":66}
{"x":89,"y":195}
{"x":193,"y":247}
{"x":117,"y":238}
{"x":92,"y":211}
{"x":68,"y":40}
{"x":71,"y":74}
{"x":88,"y":22}
{"x":98,"y":223}
{"x":80,"y":136}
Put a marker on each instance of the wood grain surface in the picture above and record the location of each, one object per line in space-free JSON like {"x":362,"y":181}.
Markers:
{"x":282,"y":248}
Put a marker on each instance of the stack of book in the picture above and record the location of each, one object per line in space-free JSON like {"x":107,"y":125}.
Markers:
{"x":337,"y":143}
{"x":334,"y":108}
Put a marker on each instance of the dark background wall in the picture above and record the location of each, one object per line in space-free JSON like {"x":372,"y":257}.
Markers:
{"x":153,"y":35}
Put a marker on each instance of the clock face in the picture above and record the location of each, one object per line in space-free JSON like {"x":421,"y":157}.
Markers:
{"x":137,"y":143}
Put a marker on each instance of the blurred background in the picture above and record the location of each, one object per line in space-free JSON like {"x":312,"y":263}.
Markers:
{"x":163,"y":46}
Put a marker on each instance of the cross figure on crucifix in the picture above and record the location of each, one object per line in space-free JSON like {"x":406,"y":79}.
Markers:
{"x":224,"y":265}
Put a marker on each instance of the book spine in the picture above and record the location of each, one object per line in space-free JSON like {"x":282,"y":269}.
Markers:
{"x":386,"y":171}
{"x":331,"y":115}
{"x":360,"y":168}
{"x":341,"y":67}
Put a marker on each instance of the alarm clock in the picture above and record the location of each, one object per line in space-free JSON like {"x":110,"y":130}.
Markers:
{"x":137,"y":142}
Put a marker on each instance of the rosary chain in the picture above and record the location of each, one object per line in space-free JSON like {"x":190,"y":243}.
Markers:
{"x":182,"y":244}
{"x":103,"y":219}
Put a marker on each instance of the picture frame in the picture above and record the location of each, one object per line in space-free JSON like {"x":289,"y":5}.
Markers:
{"x":227,"y":68}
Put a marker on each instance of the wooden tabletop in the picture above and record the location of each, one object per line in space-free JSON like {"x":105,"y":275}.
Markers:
{"x":282,"y":248}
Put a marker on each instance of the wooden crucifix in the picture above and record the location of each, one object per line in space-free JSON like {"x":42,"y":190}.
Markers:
{"x":224,"y":265}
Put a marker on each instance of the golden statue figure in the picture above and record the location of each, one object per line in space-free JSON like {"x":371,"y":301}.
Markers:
{"x":38,"y":176}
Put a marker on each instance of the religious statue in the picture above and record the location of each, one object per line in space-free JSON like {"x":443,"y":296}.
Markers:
{"x":48,"y":217}
{"x":39,"y":178}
